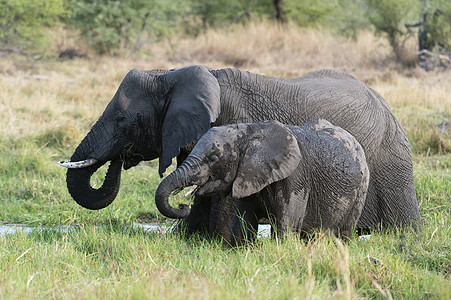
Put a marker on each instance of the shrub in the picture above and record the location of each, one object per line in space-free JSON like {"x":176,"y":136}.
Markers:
{"x":438,"y":24}
{"x":222,"y":13}
{"x":117,"y":26}
{"x":389,"y":17}
{"x":23,"y":22}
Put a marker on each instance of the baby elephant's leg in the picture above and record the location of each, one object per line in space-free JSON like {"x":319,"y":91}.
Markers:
{"x":245,"y":223}
{"x":221,"y":219}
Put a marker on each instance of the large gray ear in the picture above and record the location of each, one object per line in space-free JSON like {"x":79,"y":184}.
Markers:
{"x":192,"y":104}
{"x":272,"y":154}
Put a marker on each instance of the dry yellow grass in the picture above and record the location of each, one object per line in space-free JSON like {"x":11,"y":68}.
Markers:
{"x":286,"y":50}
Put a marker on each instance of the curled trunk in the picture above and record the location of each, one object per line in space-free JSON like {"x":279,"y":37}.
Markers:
{"x":85,"y":162}
{"x":78,"y":183}
{"x":175,"y":180}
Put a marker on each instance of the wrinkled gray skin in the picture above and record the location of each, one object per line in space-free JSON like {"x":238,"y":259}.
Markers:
{"x":159,"y":113}
{"x":302,"y":178}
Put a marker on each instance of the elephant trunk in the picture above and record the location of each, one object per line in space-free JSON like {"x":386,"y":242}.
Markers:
{"x":175,"y":180}
{"x":78,"y":183}
{"x":81,"y":168}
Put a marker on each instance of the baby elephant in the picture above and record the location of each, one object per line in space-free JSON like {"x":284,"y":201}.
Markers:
{"x":302,"y":178}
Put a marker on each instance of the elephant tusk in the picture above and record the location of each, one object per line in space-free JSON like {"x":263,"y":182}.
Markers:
{"x":77,"y":164}
{"x":191,"y":190}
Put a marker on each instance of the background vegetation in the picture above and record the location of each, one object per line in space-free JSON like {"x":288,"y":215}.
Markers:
{"x":124,"y":27}
{"x":48,"y":104}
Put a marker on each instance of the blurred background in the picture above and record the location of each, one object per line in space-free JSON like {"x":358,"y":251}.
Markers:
{"x":414,"y":31}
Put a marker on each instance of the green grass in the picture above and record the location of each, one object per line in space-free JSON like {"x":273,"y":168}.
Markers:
{"x":123,"y":263}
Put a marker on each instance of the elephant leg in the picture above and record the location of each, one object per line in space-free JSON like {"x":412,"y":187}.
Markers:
{"x":279,"y":227}
{"x":245,"y":222}
{"x":213,"y":223}
{"x":221,"y":218}
{"x":391,"y":199}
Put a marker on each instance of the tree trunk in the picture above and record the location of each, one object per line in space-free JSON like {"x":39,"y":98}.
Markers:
{"x":278,"y":6}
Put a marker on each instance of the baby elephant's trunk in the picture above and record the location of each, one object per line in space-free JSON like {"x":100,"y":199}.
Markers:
{"x":175,"y":180}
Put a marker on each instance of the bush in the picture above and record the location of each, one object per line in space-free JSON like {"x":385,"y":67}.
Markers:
{"x":307,"y":13}
{"x":221,"y":13}
{"x":345,"y":17}
{"x":23,"y":22}
{"x":389,"y":17}
{"x":117,"y":26}
{"x":438,"y":24}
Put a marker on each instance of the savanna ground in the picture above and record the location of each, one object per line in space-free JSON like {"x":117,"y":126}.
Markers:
{"x":47,"y":106}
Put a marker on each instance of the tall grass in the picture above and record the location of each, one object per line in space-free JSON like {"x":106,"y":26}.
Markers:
{"x":286,"y":50}
{"x":46,"y":108}
{"x":120,"y":263}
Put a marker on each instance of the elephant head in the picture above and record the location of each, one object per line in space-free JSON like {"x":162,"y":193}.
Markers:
{"x":238,"y":159}
{"x":153,"y":114}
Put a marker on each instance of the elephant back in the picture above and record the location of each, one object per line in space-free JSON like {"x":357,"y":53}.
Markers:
{"x":339,"y":175}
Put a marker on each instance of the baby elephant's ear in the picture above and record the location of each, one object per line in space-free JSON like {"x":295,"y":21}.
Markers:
{"x":272,"y":154}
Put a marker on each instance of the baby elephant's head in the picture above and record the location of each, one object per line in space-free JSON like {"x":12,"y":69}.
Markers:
{"x":239,"y":158}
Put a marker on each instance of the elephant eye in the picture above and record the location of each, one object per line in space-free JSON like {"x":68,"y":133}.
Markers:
{"x":120,"y":120}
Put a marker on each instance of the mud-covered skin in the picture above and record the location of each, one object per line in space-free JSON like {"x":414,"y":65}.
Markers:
{"x":341,"y":176}
{"x":160,"y":113}
{"x":302,"y":178}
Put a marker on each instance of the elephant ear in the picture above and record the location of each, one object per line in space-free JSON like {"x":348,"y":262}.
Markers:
{"x":272,"y":154}
{"x":191,"y":105}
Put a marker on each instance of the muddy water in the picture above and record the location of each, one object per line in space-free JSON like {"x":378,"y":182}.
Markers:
{"x":10,"y":229}
{"x":264,"y":230}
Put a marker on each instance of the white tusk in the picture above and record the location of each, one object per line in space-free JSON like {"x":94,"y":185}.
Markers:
{"x":77,"y":164}
{"x":191,"y":190}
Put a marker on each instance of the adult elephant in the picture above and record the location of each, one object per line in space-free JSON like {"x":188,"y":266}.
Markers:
{"x":160,"y":113}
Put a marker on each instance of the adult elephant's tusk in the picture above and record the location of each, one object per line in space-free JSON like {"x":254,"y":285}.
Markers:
{"x":191,"y":190}
{"x":77,"y":164}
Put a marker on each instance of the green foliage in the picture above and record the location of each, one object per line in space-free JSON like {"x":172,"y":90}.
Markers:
{"x":432,"y":17}
{"x":349,"y":17}
{"x":125,"y":26}
{"x":389,"y":17}
{"x":346,"y":17}
{"x":438,"y":24}
{"x":308,"y":12}
{"x":23,"y":22}
{"x":114,"y":26}
{"x":220,"y":13}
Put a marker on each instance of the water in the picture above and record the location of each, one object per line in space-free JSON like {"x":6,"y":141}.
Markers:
{"x":264,"y":230}
{"x":14,"y":228}
{"x":10,"y":229}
